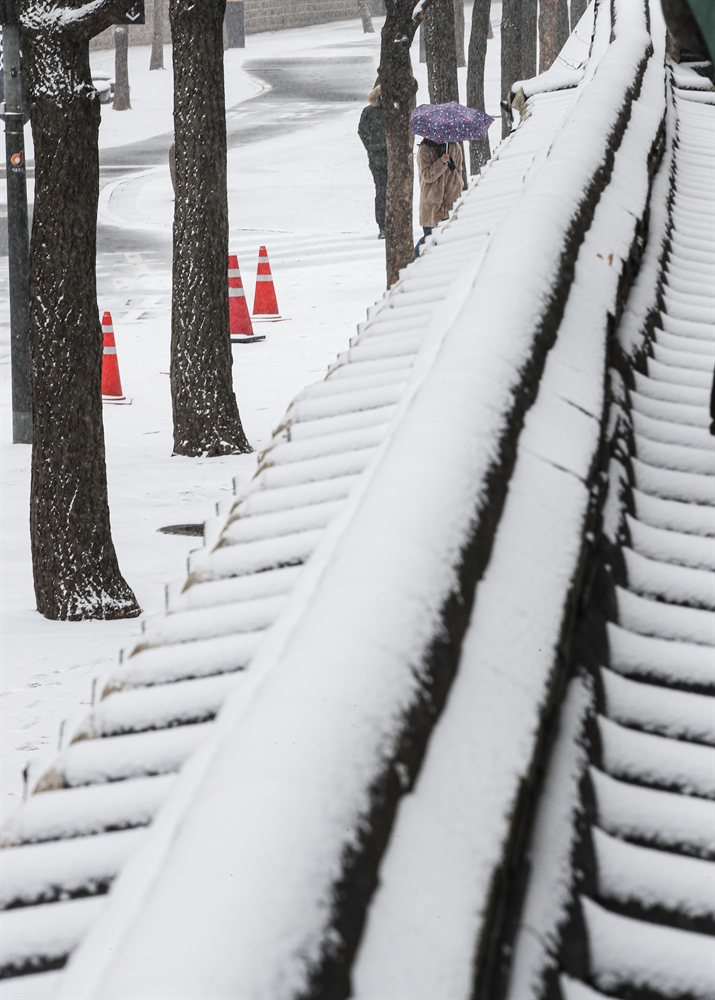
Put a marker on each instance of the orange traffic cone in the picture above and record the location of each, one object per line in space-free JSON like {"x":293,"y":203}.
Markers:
{"x":239,"y":319}
{"x":111,"y":382}
{"x":265,"y":304}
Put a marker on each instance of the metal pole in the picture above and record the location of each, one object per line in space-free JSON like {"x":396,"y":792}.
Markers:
{"x":17,"y":232}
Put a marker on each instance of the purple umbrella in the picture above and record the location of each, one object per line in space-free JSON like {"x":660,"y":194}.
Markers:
{"x":450,"y":122}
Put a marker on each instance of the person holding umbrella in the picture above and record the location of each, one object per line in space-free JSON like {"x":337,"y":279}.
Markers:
{"x":439,"y":157}
{"x":439,"y":166}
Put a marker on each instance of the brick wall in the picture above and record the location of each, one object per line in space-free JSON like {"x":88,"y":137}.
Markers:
{"x":269,"y":15}
{"x":260,"y":15}
{"x":139,"y":34}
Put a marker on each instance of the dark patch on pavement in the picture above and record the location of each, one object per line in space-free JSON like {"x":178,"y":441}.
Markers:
{"x":195,"y":530}
{"x":319,"y":80}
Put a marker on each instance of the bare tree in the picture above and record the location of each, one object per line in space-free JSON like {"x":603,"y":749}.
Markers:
{"x":121,"y":68}
{"x":479,"y":152}
{"x":440,"y":45}
{"x":553,"y":30}
{"x":441,"y":51}
{"x":206,"y":418}
{"x":366,"y":16}
{"x":157,"y":39}
{"x":75,"y":566}
{"x":578,"y":9}
{"x":529,"y":32}
{"x":511,"y":56}
{"x":398,"y":97}
{"x":518,"y":48}
{"x":459,"y":31}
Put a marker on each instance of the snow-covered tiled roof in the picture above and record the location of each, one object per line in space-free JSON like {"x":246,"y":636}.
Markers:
{"x":623,"y":848}
{"x":299,"y":668}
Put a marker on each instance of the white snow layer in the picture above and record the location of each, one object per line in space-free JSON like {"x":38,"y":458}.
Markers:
{"x":281,"y":795}
{"x":573,"y":989}
{"x":429,"y":912}
{"x":45,"y":933}
{"x":632,"y":953}
{"x":628,"y":874}
{"x":655,"y":709}
{"x":676,"y":663}
{"x":646,"y":815}
{"x":450,"y":833}
{"x":42,"y":986}
{"x":80,"y":812}
{"x":549,"y":889}
{"x":648,"y":759}
{"x":44,"y":873}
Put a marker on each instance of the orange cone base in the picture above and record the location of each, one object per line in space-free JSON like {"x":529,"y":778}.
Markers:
{"x":241,"y":339}
{"x":120,"y":400}
{"x":277,"y":318}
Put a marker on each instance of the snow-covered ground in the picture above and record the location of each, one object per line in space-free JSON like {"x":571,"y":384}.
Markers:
{"x":307,"y":195}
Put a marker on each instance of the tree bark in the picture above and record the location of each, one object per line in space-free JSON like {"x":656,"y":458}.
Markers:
{"x":75,"y":568}
{"x":479,"y":152}
{"x":157,"y":39}
{"x":441,"y":49}
{"x":121,"y":69}
{"x":511,"y":57}
{"x":553,"y":30}
{"x":578,"y":9}
{"x":206,"y":418}
{"x":459,"y":31}
{"x":398,"y":97}
{"x":366,"y":17}
{"x":529,"y":33}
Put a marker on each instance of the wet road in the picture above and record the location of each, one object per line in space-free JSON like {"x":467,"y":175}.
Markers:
{"x":301,"y":92}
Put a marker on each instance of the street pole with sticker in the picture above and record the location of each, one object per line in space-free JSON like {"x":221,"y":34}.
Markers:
{"x":17,"y":229}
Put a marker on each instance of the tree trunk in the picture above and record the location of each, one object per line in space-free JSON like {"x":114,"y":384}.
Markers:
{"x":121,"y":68}
{"x":75,"y":567}
{"x":479,"y":152}
{"x":398,"y":97}
{"x":459,"y":31}
{"x":206,"y":418}
{"x":553,"y":30}
{"x":157,"y":38}
{"x":511,"y":57}
{"x":441,"y":46}
{"x":529,"y":32}
{"x":578,"y":9}
{"x":366,"y":16}
{"x":441,"y":53}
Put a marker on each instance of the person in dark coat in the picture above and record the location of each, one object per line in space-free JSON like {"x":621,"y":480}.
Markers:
{"x":372,"y":132}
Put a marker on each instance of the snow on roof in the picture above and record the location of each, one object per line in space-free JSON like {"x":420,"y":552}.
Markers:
{"x":159,"y":704}
{"x":263,"y":712}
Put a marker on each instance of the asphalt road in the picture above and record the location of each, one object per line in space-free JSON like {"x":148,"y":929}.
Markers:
{"x":321,"y":86}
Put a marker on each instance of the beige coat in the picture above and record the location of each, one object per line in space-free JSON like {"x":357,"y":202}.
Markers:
{"x":439,"y":186}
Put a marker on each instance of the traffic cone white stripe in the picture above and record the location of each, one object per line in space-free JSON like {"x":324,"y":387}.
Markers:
{"x":265,"y":304}
{"x":240,"y":326}
{"x":111,"y":382}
